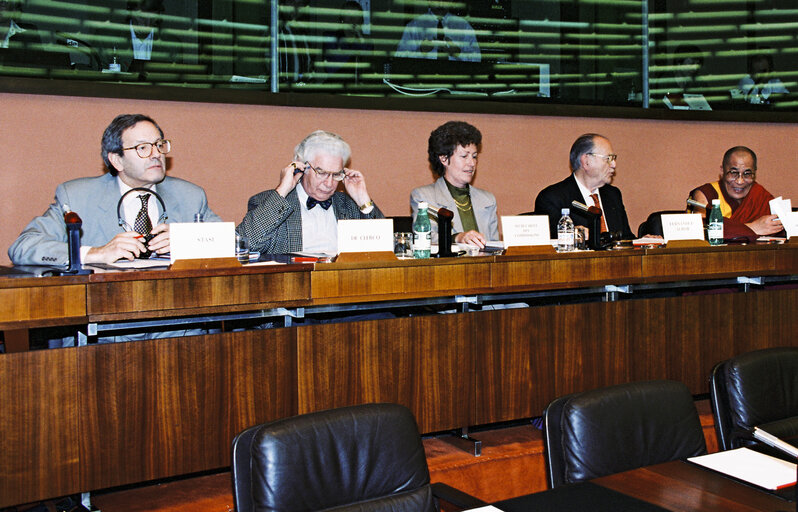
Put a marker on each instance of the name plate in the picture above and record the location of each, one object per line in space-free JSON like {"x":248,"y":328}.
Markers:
{"x":367,"y":235}
{"x":682,"y":226}
{"x":520,"y":230}
{"x":790,"y":223}
{"x":197,"y":240}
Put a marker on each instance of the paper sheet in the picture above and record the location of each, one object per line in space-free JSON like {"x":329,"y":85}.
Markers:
{"x":751,"y":466}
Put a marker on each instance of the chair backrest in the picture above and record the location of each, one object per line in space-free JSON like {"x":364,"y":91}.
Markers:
{"x":755,"y":389}
{"x":653,"y":224}
{"x":365,"y":458}
{"x":610,"y":430}
{"x":403,"y":224}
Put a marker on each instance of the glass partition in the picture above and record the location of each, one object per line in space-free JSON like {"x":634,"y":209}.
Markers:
{"x":659,"y":54}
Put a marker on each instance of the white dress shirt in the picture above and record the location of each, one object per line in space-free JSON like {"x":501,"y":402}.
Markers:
{"x":319,"y":226}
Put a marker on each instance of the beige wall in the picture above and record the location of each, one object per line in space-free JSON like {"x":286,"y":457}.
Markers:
{"x":235,"y":151}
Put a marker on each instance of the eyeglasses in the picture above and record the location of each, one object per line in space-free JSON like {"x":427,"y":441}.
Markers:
{"x":322,"y":174}
{"x":144,"y":150}
{"x":607,"y":158}
{"x":745,"y":175}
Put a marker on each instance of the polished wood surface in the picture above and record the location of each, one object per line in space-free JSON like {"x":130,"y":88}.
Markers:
{"x":683,"y":487}
{"x":105,"y":415}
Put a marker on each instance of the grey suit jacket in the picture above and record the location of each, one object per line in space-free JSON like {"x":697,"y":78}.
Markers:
{"x":273,"y":223}
{"x":437,"y":194}
{"x":44,"y":240}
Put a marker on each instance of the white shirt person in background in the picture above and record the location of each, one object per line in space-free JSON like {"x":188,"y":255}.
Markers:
{"x":758,"y":85}
{"x":439,"y":34}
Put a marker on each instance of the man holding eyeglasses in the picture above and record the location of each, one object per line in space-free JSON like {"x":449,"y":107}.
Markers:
{"x":744,"y":203}
{"x":302,"y":212}
{"x":134,"y":152}
{"x":592,"y":163}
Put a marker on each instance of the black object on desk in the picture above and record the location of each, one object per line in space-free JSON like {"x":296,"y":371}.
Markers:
{"x":445,"y":218}
{"x":579,"y":496}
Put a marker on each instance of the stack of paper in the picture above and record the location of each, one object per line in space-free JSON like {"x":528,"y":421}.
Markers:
{"x":753,"y":467}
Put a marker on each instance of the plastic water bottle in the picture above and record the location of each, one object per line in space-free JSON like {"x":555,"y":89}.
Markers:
{"x":565,"y":232}
{"x":715,"y":224}
{"x":422,"y":232}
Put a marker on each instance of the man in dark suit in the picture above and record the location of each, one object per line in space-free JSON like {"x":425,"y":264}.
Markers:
{"x":592,"y":169}
{"x":302,"y":212}
{"x":134,"y":151}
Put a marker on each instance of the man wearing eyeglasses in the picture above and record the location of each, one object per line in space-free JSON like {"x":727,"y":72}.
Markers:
{"x":592,"y":163}
{"x":302,"y":212}
{"x":134,"y":151}
{"x":744,"y":203}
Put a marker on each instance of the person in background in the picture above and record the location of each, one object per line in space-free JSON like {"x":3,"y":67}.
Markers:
{"x":452,"y":152}
{"x":439,"y":34}
{"x":744,"y":203}
{"x":302,"y":212}
{"x":134,"y":152}
{"x":593,"y":164}
{"x":759,"y":85}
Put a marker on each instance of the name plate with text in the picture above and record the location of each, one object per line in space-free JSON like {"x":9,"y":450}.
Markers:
{"x":521,"y":230}
{"x":200,"y":240}
{"x":367,"y":235}
{"x":682,"y":226}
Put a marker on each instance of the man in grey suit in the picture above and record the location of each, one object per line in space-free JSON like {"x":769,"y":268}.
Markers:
{"x":302,"y":212}
{"x":133,"y":149}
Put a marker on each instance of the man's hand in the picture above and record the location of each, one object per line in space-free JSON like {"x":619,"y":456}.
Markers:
{"x":472,"y":238}
{"x":766,"y":225}
{"x":124,"y":246}
{"x":160,"y":242}
{"x":289,"y":177}
{"x":355,"y":186}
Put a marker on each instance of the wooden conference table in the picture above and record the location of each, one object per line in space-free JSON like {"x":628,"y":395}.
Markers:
{"x":104,"y":415}
{"x":677,"y":486}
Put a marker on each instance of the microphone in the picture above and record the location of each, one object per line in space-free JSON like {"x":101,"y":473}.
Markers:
{"x":773,"y":441}
{"x":693,"y":202}
{"x":73,"y":223}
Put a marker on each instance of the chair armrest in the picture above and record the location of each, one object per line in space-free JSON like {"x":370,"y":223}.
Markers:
{"x":460,"y":500}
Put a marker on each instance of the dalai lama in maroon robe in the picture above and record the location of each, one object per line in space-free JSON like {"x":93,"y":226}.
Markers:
{"x":743,"y":202}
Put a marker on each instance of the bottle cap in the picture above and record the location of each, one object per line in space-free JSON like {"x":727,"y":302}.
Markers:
{"x":423,"y":205}
{"x":715,"y":202}
{"x":565,"y":211}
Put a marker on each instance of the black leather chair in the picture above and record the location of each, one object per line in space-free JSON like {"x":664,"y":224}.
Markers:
{"x":653,"y":224}
{"x":610,"y":430}
{"x":755,"y":389}
{"x":361,"y":458}
{"x":403,"y":224}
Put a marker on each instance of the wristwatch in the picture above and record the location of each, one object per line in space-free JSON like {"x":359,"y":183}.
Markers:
{"x":367,"y":207}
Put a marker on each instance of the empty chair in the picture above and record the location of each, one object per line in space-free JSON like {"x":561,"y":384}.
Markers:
{"x":756,"y":389}
{"x":365,"y":458}
{"x":618,"y":428}
{"x":653,"y":224}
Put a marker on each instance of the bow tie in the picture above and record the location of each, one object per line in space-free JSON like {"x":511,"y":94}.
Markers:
{"x":324,"y":204}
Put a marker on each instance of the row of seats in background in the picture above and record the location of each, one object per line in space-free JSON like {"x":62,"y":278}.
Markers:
{"x":370,"y":457}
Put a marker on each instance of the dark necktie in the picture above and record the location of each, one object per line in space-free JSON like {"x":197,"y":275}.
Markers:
{"x":142,"y":224}
{"x":324,"y":204}
{"x":598,"y":205}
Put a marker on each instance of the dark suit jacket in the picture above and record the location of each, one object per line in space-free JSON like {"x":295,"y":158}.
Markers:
{"x":273,"y":223}
{"x":554,"y":198}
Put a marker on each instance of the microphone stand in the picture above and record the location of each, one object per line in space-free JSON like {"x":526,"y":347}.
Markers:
{"x":445,"y":218}
{"x":593,"y":216}
{"x":73,"y":224}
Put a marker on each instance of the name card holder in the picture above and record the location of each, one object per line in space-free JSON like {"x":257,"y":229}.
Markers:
{"x":686,"y":244}
{"x":525,"y":250}
{"x":205,"y":264}
{"x":365,"y":240}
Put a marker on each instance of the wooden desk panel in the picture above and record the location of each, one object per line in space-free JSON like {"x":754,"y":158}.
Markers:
{"x":403,"y":279}
{"x":182,"y":293}
{"x":161,"y":408}
{"x":709,"y":262}
{"x":424,"y":363}
{"x":58,"y":303}
{"x":39,"y":457}
{"x":575,"y":270}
